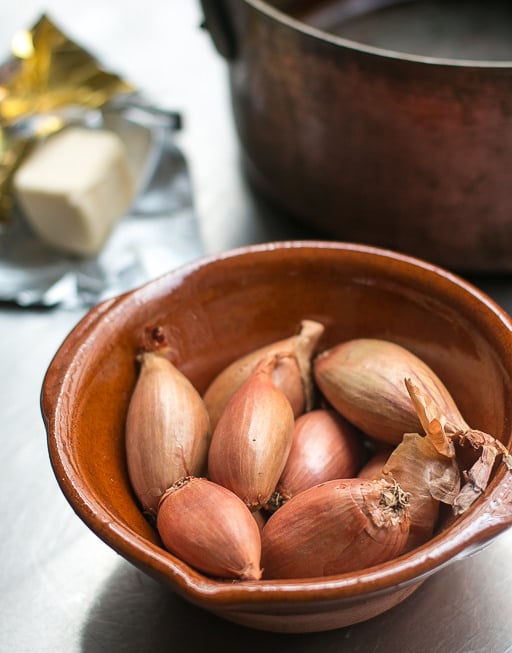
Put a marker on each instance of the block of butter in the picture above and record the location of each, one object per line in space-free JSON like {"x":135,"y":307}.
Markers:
{"x":74,"y":187}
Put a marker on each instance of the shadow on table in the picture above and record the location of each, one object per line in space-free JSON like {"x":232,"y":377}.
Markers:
{"x":134,"y":614}
{"x":463,"y":607}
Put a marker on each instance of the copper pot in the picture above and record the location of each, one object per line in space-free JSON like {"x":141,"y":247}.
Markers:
{"x":368,"y":144}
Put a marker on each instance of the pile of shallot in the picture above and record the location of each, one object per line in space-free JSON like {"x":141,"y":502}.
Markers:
{"x":299,"y":464}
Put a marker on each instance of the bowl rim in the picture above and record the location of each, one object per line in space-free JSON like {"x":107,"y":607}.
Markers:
{"x":486,"y":519}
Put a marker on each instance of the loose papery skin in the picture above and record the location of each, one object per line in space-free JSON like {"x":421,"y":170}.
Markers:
{"x":293,"y":378}
{"x":167,"y":430}
{"x":324,"y":447}
{"x":429,"y":476}
{"x":253,"y":436}
{"x":444,"y":435}
{"x":363,"y":379}
{"x":211,"y":529}
{"x":335,"y":527}
{"x":425,"y":466}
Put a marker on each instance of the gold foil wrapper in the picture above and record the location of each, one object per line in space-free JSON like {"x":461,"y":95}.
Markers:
{"x":12,"y":152}
{"x":47,"y":74}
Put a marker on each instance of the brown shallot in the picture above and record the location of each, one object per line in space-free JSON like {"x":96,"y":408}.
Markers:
{"x":373,"y":466}
{"x":427,"y":466}
{"x":335,"y":527}
{"x":491,"y":450}
{"x":363,"y":379}
{"x":325,"y":447}
{"x":167,"y":429}
{"x":293,"y":378}
{"x":211,"y":529}
{"x":253,"y":436}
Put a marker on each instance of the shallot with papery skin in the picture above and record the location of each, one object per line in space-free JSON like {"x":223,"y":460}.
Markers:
{"x":211,"y":529}
{"x":477,"y":477}
{"x":253,"y":436}
{"x":167,"y":429}
{"x":427,"y":466}
{"x":335,"y":527}
{"x":293,"y":378}
{"x":363,"y":380}
{"x":324,"y":447}
{"x":373,"y":466}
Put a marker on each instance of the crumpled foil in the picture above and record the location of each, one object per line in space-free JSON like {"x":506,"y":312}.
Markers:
{"x":161,"y":230}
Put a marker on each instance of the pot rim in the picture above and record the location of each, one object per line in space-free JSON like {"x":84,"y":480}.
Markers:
{"x":491,"y":515}
{"x":358,"y":46}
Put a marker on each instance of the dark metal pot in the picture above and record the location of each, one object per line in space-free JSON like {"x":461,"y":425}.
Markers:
{"x":368,"y":144}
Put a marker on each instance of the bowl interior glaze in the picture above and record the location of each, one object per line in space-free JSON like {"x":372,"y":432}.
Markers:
{"x":215,"y":309}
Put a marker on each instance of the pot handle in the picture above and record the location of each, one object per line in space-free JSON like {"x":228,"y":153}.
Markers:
{"x":217,"y":22}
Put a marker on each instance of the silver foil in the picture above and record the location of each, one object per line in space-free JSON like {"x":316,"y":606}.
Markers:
{"x":160,"y":232}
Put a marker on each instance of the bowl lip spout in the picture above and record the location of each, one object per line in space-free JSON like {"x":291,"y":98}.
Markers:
{"x":489,"y":516}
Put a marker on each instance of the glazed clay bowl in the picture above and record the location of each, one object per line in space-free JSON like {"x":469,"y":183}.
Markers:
{"x":215,"y":309}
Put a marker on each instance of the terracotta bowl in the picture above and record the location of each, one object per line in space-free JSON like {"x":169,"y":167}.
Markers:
{"x":218,"y":308}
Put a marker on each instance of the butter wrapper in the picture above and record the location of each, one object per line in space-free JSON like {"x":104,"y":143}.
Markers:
{"x":47,"y":79}
{"x":49,"y":71}
{"x":50,"y":83}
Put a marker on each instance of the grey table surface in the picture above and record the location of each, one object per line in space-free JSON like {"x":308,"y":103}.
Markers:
{"x":62,"y":589}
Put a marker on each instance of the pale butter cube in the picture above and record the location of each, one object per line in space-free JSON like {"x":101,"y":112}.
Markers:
{"x":74,"y":187}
